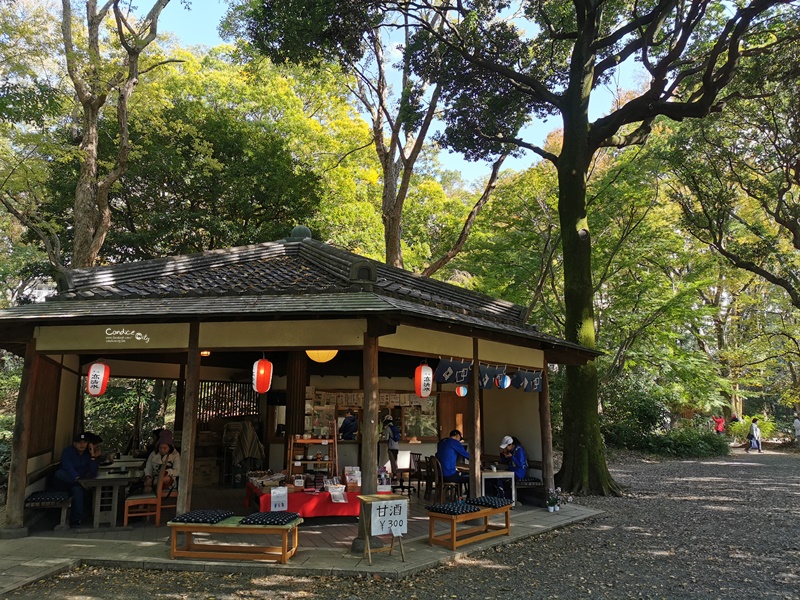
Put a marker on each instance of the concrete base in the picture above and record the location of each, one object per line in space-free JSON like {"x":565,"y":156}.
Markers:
{"x":358,"y":545}
{"x":13,"y":533}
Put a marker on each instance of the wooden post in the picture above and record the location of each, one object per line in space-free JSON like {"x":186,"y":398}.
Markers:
{"x":369,"y":430}
{"x":547,"y":432}
{"x":475,"y":415}
{"x":180,"y":398}
{"x":296,"y":375}
{"x":18,"y":471}
{"x":188,"y":432}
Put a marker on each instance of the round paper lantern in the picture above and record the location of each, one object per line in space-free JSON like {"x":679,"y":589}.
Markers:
{"x":461,"y":391}
{"x":321,"y":356}
{"x":502,"y":381}
{"x":97,"y":379}
{"x":423,"y":380}
{"x":262,"y":375}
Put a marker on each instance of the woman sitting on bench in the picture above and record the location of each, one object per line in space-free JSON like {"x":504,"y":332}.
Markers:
{"x":512,"y":454}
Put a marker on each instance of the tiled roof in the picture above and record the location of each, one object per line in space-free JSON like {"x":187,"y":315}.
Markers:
{"x":293,"y":278}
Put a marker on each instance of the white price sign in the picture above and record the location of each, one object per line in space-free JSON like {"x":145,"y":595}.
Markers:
{"x":279,"y":499}
{"x":389,"y":517}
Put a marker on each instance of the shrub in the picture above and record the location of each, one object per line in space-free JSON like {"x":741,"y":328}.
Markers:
{"x":633,"y":408}
{"x":742,"y":428}
{"x":687,"y":442}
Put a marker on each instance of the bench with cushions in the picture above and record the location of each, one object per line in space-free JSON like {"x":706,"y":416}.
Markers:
{"x":49,"y":500}
{"x":453,"y":514}
{"x":282,"y":523}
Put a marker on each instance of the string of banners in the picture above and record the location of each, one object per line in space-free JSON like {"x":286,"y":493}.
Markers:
{"x":356,"y":399}
{"x":460,"y":373}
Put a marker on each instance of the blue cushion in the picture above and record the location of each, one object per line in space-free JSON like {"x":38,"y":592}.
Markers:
{"x":209,"y":517}
{"x":489,"y":501}
{"x":279,"y":517}
{"x":453,"y":508}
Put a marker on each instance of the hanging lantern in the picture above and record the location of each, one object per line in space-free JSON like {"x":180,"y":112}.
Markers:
{"x":461,"y":391}
{"x":97,"y":379}
{"x":262,"y":375}
{"x":423,"y":380}
{"x":502,"y":381}
{"x":321,"y":356}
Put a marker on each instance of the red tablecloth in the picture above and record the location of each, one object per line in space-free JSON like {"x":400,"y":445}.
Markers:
{"x":317,"y":505}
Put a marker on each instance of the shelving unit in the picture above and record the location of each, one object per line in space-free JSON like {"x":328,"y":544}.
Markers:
{"x":325,"y":446}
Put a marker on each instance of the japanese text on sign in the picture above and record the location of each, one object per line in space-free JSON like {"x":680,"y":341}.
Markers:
{"x":390,"y":517}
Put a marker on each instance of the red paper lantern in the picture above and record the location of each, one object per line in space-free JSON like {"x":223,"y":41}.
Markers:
{"x":423,"y":380}
{"x":461,"y":391}
{"x":97,"y":379}
{"x":262,"y":375}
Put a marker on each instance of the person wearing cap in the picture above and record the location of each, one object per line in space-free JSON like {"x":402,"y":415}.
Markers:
{"x":391,"y":435}
{"x":78,"y":461}
{"x":163,"y":456}
{"x":447,"y":451}
{"x":514,"y":456}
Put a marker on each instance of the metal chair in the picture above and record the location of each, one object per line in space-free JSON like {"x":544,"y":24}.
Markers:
{"x":148,"y":504}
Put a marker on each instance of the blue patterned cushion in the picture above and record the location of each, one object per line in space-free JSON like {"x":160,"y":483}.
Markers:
{"x":38,"y":499}
{"x":489,"y":501}
{"x":209,"y":517}
{"x":279,"y":517}
{"x":528,"y":480}
{"x":453,"y":508}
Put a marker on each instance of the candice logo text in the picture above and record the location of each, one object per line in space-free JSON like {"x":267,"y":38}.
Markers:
{"x":120,"y":336}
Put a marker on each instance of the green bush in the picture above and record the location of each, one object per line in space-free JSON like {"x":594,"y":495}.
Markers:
{"x":633,"y":408}
{"x":742,"y":428}
{"x":687,"y":442}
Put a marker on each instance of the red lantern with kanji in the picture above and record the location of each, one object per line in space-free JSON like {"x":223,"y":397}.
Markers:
{"x":461,"y":391}
{"x":423,"y":380}
{"x":97,"y":379}
{"x":262,"y":375}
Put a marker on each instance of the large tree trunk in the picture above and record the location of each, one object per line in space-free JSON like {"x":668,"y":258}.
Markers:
{"x":584,"y":469}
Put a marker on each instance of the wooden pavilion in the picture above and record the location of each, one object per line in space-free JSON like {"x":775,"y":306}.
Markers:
{"x":152,"y":319}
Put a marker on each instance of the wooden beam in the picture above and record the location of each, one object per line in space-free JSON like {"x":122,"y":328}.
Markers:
{"x":474,"y":412}
{"x":296,"y":376}
{"x":18,"y":471}
{"x":188,"y":432}
{"x":369,"y":428}
{"x":547,"y":432}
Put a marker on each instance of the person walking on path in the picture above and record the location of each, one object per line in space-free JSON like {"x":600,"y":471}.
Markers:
{"x":797,"y":429}
{"x":754,"y":436}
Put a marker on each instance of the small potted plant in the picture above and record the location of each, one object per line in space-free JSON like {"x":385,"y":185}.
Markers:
{"x":552,"y":500}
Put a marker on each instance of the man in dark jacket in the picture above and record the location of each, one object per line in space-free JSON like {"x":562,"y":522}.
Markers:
{"x":349,"y":426}
{"x":77,"y":462}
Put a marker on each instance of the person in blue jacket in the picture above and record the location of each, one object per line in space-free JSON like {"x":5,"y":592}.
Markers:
{"x":349,"y":426}
{"x":77,"y":462}
{"x":515,"y":458}
{"x":448,"y":451}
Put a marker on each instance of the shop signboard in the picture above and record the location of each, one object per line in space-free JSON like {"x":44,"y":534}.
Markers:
{"x":389,"y":517}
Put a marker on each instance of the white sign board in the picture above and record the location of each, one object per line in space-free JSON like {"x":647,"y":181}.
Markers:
{"x":279,"y":499}
{"x":390,"y":517}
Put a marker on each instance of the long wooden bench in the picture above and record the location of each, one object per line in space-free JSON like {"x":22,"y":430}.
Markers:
{"x":49,"y":500}
{"x":243,"y":551}
{"x":454,"y":537}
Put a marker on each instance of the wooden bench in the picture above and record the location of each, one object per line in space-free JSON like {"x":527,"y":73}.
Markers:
{"x":454,"y":537}
{"x":230,"y":526}
{"x":49,"y":500}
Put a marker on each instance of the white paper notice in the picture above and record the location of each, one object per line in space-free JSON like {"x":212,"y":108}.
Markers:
{"x":280,"y":499}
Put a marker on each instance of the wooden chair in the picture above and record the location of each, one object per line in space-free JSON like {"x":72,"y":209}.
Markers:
{"x":419,"y":471}
{"x":445,"y":491}
{"x":148,"y":504}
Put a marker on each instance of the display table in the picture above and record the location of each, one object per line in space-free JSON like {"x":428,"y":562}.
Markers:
{"x":315,"y":505}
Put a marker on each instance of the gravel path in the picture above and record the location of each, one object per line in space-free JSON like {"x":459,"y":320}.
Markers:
{"x":713,"y":528}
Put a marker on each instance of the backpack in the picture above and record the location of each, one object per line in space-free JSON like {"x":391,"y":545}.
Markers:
{"x":394,"y":433}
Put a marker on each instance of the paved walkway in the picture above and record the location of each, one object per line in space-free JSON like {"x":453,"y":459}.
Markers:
{"x":29,"y":559}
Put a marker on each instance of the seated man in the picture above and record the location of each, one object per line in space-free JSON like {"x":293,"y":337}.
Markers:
{"x":514,"y":456}
{"x":77,"y":462}
{"x":448,"y":451}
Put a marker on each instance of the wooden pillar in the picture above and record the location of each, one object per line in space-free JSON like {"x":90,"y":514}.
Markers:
{"x":474,"y":412}
{"x":180,"y":398}
{"x":547,"y":432}
{"x":18,"y":471}
{"x":296,"y":377}
{"x":369,"y":429}
{"x":189,"y":428}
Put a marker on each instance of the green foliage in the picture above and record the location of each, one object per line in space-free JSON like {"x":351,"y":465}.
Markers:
{"x":633,"y":408}
{"x":742,"y":428}
{"x":687,"y":442}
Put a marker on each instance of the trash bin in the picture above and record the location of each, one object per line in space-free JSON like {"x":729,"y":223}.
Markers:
{"x":239,"y":478}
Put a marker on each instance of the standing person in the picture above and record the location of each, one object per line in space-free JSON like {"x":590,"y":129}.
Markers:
{"x":719,"y":424}
{"x":797,"y":429}
{"x":391,"y":435}
{"x":349,"y":426}
{"x":164,"y":456}
{"x":754,"y":436}
{"x":77,"y":462}
{"x":447,"y":451}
